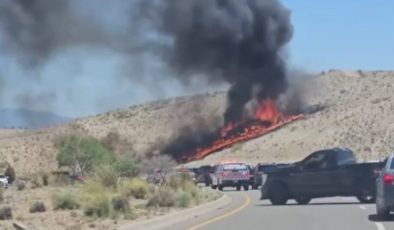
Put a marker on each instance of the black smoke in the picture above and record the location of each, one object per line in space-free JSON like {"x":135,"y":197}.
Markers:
{"x":236,"y":41}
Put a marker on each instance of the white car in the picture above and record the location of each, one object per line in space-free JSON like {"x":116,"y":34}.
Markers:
{"x":3,"y":181}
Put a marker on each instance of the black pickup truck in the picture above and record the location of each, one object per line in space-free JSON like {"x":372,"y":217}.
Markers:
{"x":324,"y":173}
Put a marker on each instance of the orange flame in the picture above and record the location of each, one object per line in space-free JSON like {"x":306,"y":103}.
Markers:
{"x":267,"y":118}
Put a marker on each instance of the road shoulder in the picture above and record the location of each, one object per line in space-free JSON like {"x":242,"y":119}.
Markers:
{"x":172,"y":219}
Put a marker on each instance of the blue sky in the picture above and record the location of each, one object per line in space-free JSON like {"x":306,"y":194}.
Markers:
{"x":338,"y":34}
{"x":346,"y":34}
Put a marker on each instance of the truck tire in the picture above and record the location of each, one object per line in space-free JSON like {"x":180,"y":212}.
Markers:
{"x":278,"y":194}
{"x":303,"y":200}
{"x":365,"y":195}
{"x":383,"y":213}
{"x":238,"y":187}
{"x":255,"y":186}
{"x":220,"y":187}
{"x":246,"y":187}
{"x":214,"y":187}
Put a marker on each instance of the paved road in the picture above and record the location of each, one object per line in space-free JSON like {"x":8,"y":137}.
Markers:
{"x":247,"y":212}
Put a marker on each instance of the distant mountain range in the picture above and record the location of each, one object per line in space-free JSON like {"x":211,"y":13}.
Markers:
{"x":30,"y":119}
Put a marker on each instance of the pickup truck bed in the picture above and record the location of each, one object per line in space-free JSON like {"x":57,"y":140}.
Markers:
{"x":324,"y":173}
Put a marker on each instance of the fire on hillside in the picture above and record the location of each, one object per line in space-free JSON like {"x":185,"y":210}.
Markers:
{"x":267,"y":118}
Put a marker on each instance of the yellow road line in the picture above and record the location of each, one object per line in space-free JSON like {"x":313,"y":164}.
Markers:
{"x":225,"y":215}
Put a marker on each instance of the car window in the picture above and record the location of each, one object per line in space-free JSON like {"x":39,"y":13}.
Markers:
{"x":392,"y":164}
{"x":265,"y":168}
{"x":345,"y":157}
{"x":318,"y":160}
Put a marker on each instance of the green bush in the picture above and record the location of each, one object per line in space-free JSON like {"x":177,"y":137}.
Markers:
{"x":120,"y":204}
{"x":182,"y":199}
{"x":136,"y":188}
{"x":84,"y":153}
{"x":37,"y":207}
{"x":5,"y":213}
{"x":127,"y":167}
{"x":96,"y":200}
{"x":10,"y":173}
{"x":164,"y":198}
{"x":106,"y":176}
{"x":65,"y":201}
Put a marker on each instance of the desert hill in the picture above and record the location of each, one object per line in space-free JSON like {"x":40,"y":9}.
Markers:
{"x":359,"y":115}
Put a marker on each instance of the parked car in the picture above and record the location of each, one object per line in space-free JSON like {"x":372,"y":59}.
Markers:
{"x":260,"y":169}
{"x":231,"y":175}
{"x":204,"y":176}
{"x":4,"y":181}
{"x":385,"y":188}
{"x":324,"y":173}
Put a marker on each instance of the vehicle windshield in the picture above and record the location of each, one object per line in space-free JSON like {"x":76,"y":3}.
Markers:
{"x":266,"y":168}
{"x":231,"y":167}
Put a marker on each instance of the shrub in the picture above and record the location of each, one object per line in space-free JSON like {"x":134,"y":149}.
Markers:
{"x":96,"y":200}
{"x":184,"y":183}
{"x":83,"y":153}
{"x":65,"y":201}
{"x":106,"y":176}
{"x":164,"y":198}
{"x":127,"y":167}
{"x":137,"y":188}
{"x":10,"y":173}
{"x":21,"y":185}
{"x":182,"y":199}
{"x":37,"y":207}
{"x":191,"y":188}
{"x":120,"y":204}
{"x":5,"y":213}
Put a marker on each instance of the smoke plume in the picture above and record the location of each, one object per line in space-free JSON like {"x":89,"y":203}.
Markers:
{"x":236,"y":41}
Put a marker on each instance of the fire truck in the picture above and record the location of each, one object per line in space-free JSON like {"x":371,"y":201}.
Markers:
{"x":231,"y":175}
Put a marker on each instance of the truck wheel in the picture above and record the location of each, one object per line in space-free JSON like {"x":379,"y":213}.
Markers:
{"x":365,"y":195}
{"x":278,"y":194}
{"x":246,"y":187}
{"x":220,"y":187}
{"x":303,"y":200}
{"x":238,"y":187}
{"x":214,"y":187}
{"x":254,"y":186}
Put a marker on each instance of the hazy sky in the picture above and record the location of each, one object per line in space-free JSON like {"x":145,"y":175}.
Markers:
{"x":354,"y":34}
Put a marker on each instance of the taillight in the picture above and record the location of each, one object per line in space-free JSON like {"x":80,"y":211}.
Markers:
{"x":388,"y":179}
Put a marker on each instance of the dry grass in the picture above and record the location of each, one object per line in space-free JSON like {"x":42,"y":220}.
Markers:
{"x":360,"y":110}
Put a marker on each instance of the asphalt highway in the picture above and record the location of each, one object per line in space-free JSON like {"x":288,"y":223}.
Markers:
{"x":247,"y":212}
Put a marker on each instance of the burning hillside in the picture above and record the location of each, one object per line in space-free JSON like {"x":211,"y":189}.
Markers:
{"x":267,"y":118}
